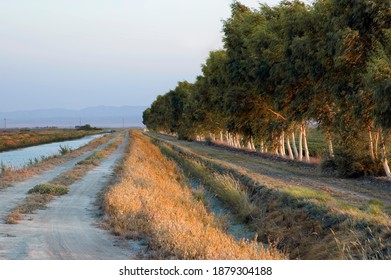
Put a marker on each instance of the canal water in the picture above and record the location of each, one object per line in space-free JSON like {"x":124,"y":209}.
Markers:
{"x":16,"y":159}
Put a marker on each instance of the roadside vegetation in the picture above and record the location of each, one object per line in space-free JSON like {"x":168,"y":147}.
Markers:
{"x":303,"y":222}
{"x":225,"y":186}
{"x":151,"y":201}
{"x":42,"y":194}
{"x":16,"y":139}
{"x":37,"y":198}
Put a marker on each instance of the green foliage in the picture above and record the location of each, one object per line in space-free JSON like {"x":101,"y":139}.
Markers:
{"x":87,"y":127}
{"x":55,"y":190}
{"x":3,"y":167}
{"x":65,"y":150}
{"x":288,"y":65}
{"x":93,"y":159}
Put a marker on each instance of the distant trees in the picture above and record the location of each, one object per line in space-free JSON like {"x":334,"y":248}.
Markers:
{"x":87,"y":127}
{"x":284,"y":66}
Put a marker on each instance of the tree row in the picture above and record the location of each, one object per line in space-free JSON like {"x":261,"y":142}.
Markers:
{"x":284,"y":68}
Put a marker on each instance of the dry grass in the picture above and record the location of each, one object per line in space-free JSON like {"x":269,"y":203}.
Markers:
{"x":150,"y":201}
{"x":38,"y":197}
{"x":225,"y":186}
{"x":371,"y":247}
{"x":16,"y":139}
{"x":301,"y":221}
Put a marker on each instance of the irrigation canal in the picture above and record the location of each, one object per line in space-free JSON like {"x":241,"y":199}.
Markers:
{"x":22,"y":157}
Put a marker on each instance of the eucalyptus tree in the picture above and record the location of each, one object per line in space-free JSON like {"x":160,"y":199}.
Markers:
{"x":285,"y":65}
{"x":351,"y":30}
{"x":156,"y":117}
{"x":292,"y":96}
{"x":211,"y":88}
{"x":243,"y":101}
{"x":166,"y":112}
{"x":378,"y":79}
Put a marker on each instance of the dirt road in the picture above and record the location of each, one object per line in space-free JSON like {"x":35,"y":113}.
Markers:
{"x":278,"y":172}
{"x":12,"y":196}
{"x":67,"y":229}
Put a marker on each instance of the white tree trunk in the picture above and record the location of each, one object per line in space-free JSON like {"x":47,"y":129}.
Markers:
{"x":288,"y":144}
{"x":250,"y":144}
{"x":301,"y":144}
{"x":306,"y":151}
{"x":262,"y":146}
{"x":296,"y":153}
{"x":281,"y":146}
{"x":239,"y":138}
{"x":377,"y":144}
{"x":236,"y":142}
{"x":384,"y":156}
{"x":330,"y":142}
{"x":237,"y":146}
{"x":221,"y":136}
{"x":371,"y":147}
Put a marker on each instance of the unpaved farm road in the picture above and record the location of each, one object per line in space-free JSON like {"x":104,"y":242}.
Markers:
{"x":67,"y":228}
{"x":277,"y":172}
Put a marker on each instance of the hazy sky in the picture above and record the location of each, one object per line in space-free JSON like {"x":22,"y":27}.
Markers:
{"x":79,"y":53}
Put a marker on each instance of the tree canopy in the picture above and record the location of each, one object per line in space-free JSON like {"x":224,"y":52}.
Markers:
{"x":284,"y":67}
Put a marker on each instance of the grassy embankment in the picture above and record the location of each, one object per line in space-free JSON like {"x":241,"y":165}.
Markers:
{"x":42,"y":194}
{"x":9,"y":176}
{"x":151,"y":201}
{"x":305,"y":223}
{"x":16,"y":139}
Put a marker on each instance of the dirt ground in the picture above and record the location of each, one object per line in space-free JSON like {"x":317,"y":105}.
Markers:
{"x":67,"y":228}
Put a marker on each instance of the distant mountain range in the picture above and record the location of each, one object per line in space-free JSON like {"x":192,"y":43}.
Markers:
{"x":101,"y":116}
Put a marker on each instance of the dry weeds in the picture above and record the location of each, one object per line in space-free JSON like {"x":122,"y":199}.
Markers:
{"x":301,"y":221}
{"x":149,"y":200}
{"x":31,"y":203}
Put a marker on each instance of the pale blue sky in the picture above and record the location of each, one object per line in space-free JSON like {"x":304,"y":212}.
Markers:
{"x":79,"y":53}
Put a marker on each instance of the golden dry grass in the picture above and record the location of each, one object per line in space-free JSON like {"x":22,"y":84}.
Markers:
{"x":305,"y":223}
{"x":16,"y":139}
{"x":31,"y":203}
{"x":149,"y":200}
